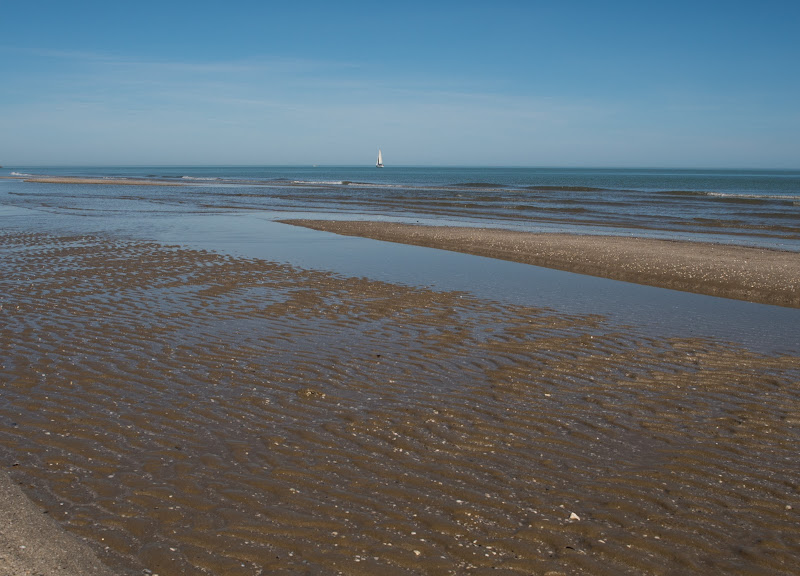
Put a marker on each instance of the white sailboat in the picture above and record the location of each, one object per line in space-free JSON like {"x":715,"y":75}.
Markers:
{"x":380,"y":160}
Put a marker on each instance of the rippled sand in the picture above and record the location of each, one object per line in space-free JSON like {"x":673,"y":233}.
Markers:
{"x":192,"y":413}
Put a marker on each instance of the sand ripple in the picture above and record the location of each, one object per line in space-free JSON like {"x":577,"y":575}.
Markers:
{"x":191,"y":413}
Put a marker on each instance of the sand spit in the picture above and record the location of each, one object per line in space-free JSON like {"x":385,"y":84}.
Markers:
{"x":742,"y":273}
{"x":103,"y":181}
{"x":189,"y":413}
{"x":33,"y":544}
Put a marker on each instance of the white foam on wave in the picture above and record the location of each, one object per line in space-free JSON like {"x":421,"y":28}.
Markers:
{"x":20,"y":174}
{"x":318,"y":182}
{"x":348,"y":183}
{"x":752,"y":196}
{"x":201,"y":178}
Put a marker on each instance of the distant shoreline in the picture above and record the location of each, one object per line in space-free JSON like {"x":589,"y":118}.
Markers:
{"x":643,"y":168}
{"x":743,"y":273}
{"x":82,"y":180}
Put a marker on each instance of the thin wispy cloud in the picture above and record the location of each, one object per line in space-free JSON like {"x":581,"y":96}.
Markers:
{"x":536,"y":85}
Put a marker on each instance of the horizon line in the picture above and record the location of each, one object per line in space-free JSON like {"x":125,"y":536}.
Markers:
{"x":460,"y":166}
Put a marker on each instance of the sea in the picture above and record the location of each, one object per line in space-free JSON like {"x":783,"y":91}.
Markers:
{"x":235,"y":209}
{"x":748,"y":207}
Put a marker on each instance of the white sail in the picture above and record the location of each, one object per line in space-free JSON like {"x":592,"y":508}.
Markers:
{"x":380,"y":159}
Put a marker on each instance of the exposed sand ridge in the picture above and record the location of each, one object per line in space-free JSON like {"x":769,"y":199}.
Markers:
{"x":95,"y":180}
{"x":739,"y":272}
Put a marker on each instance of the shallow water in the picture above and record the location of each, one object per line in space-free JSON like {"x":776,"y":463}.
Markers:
{"x":655,"y":311}
{"x":205,"y":391}
{"x":750,"y":207}
{"x":193,"y":413}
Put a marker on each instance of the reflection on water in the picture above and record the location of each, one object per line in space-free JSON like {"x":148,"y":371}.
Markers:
{"x":656,"y":310}
{"x":659,"y":311}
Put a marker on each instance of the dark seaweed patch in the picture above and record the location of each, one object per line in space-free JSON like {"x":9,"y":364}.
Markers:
{"x":478,"y":185}
{"x":781,"y":215}
{"x":568,"y":189}
{"x":531,"y":208}
{"x":682,"y":193}
{"x":739,"y":200}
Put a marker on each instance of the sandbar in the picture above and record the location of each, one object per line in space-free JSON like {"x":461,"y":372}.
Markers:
{"x":743,"y":273}
{"x":104,"y":181}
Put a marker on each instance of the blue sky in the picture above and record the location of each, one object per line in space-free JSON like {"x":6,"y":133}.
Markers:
{"x":571,"y":83}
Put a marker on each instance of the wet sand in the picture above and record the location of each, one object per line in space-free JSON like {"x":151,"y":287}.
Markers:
{"x":738,"y":272}
{"x":193,"y":413}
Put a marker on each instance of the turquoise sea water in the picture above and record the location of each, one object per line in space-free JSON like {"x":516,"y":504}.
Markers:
{"x":737,"y":206}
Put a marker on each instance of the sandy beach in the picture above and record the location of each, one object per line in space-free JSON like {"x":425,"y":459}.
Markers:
{"x":104,"y":181}
{"x":743,"y":273}
{"x":33,"y":544}
{"x":186,"y":412}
